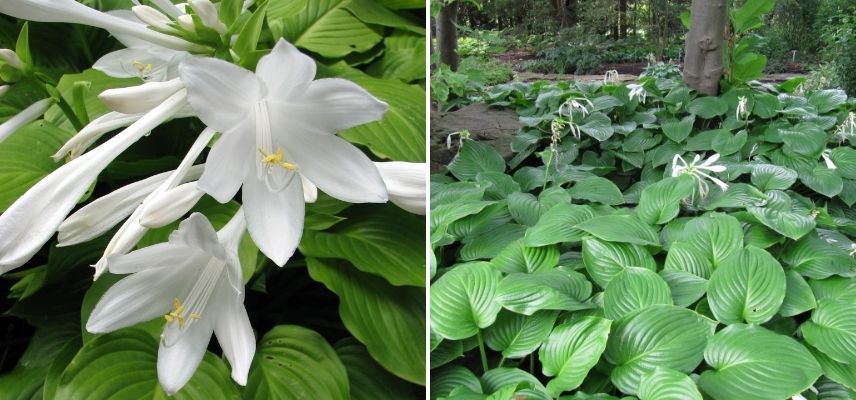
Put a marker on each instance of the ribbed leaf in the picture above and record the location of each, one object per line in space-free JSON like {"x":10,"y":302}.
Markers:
{"x":498,"y":378}
{"x":753,"y":363}
{"x":325,"y":27}
{"x":678,"y":130}
{"x":597,"y":190}
{"x":816,"y":258}
{"x":621,"y":228}
{"x":447,"y":379}
{"x":716,"y":235}
{"x":790,"y":224}
{"x":571,"y":350}
{"x":772,"y":177}
{"x":558,"y":225}
{"x":26,"y":159}
{"x":842,"y":373}
{"x":844,"y":159}
{"x":689,"y":258}
{"x":517,"y":335}
{"x":475,"y":157}
{"x":605,"y":260}
{"x":798,"y":296}
{"x":686,"y":288}
{"x":749,"y":286}
{"x":708,"y":107}
{"x":367,"y":379}
{"x":823,"y":180}
{"x":661,"y":201}
{"x":548,"y":290}
{"x":827,"y":100}
{"x":668,"y":384}
{"x":524,"y":208}
{"x":634,"y":289}
{"x":519,"y":258}
{"x":463,"y":300}
{"x":832,"y":330}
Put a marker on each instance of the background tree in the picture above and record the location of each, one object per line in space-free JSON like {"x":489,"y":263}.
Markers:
{"x":703,"y":61}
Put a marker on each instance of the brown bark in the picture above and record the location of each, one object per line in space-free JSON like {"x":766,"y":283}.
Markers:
{"x":447,"y":35}
{"x":622,"y":19}
{"x":703,"y":62}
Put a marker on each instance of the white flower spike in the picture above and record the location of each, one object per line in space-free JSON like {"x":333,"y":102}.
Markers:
{"x":742,"y":108}
{"x":697,"y":169}
{"x":637,"y":92}
{"x":195,"y":282}
{"x":277,"y":126}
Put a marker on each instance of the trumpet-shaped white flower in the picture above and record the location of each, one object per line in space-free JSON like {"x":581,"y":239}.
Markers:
{"x":575,"y":103}
{"x":742,"y":107}
{"x":141,"y":98}
{"x":406,"y":184}
{"x":194,"y":282}
{"x":29,"y":114}
{"x":71,"y":11}
{"x":152,"y":17}
{"x":90,"y":133}
{"x":170,"y":205}
{"x":208,"y":14}
{"x":611,"y":76}
{"x":277,"y":126}
{"x":637,"y":92}
{"x":699,"y":169}
{"x":33,"y":218}
{"x":847,"y":129}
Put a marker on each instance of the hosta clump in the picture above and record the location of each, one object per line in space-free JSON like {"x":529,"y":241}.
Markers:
{"x":686,"y":247}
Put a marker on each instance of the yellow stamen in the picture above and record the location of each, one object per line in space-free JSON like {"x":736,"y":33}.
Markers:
{"x":143,"y":68}
{"x":175,"y":314}
{"x":276,"y":159}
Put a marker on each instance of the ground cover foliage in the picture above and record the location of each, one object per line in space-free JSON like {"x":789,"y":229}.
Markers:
{"x":344,"y":318}
{"x":645,"y":242}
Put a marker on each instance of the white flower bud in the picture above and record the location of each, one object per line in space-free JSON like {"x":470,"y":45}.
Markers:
{"x":186,"y":22}
{"x":24,"y":117}
{"x":11,"y":58}
{"x":140,"y":99}
{"x":151,"y":16}
{"x":207,"y":12}
{"x":167,"y":207}
{"x":4,"y":89}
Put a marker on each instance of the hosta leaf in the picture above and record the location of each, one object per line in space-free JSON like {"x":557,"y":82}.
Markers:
{"x":816,"y":258}
{"x":708,"y":107}
{"x":519,"y":258}
{"x":804,"y":139}
{"x":834,"y":288}
{"x":657,"y":336}
{"x":766,"y":105}
{"x":832,"y":330}
{"x":748,"y":286}
{"x":447,"y":379}
{"x":571,"y":350}
{"x":517,"y":335}
{"x":686,"y":257}
{"x":598,"y":126}
{"x":497,"y":378}
{"x":25,"y":158}
{"x":716,"y":235}
{"x":790,"y":224}
{"x":446,"y":352}
{"x":497,"y":185}
{"x":367,"y":379}
{"x":597,"y":190}
{"x":621,"y":228}
{"x":325,"y":27}
{"x":558,"y":225}
{"x":548,"y":290}
{"x":524,"y":208}
{"x":634,"y":289}
{"x":678,"y":130}
{"x":605,"y":260}
{"x":823,"y":180}
{"x":668,"y":384}
{"x":844,"y":374}
{"x":661,"y":201}
{"x":463,"y":300}
{"x":738,"y":195}
{"x":827,"y":100}
{"x":387,"y":319}
{"x":770,"y":177}
{"x":798,"y":296}
{"x":753,"y":363}
{"x":844,"y":159}
{"x":490,"y":243}
{"x":725,"y":143}
{"x":475,"y":157}
{"x":686,"y":288}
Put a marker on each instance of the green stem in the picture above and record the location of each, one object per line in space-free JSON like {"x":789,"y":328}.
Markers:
{"x":501,"y":361}
{"x":69,"y":113}
{"x":482,"y":351}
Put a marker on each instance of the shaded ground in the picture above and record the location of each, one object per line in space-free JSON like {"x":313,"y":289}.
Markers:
{"x":491,"y":126}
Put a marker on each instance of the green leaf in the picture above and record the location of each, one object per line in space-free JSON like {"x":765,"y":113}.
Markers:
{"x":744,"y":17}
{"x":517,"y":335}
{"x":748,"y":67}
{"x":661,"y":201}
{"x":678,"y":130}
{"x":293,"y":362}
{"x":686,"y":257}
{"x":447,"y":379}
{"x":248,"y":38}
{"x":381,"y":240}
{"x":748,"y":286}
{"x":816,"y":258}
{"x":473,"y":158}
{"x":667,"y":384}
{"x":25,"y":158}
{"x":548,"y":290}
{"x":657,"y":336}
{"x":489,"y":244}
{"x":621,"y":228}
{"x":772,"y":177}
{"x":827,"y":100}
{"x":766,"y":105}
{"x":823,"y":180}
{"x":777,"y":365}
{"x":463,"y":300}
{"x":803,"y":139}
{"x":403,"y":58}
{"x":597,"y":125}
{"x":497,"y":378}
{"x":524,"y":208}
{"x":790,"y":224}
{"x":832,"y":330}
{"x":798,"y":296}
{"x":605,"y":260}
{"x":22,"y":47}
{"x":686,"y":288}
{"x":325,"y":27}
{"x":845,"y":159}
{"x":634,"y":289}
{"x":842,"y":373}
{"x":367,"y":379}
{"x":519,"y":258}
{"x":22,"y":383}
{"x":123,"y":365}
{"x":597,"y":190}
{"x":571,"y":350}
{"x":725,"y":143}
{"x":716,"y":235}
{"x":389,"y":320}
{"x":708,"y":107}
{"x":558,"y":225}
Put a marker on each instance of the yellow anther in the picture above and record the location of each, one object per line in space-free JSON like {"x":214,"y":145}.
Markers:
{"x":143,"y":68}
{"x":195,"y":316}
{"x":175,"y":314}
{"x":276,"y":159}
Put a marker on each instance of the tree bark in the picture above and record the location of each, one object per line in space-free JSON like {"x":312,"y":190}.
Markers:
{"x":447,"y":35}
{"x":703,"y":61}
{"x":622,"y":19}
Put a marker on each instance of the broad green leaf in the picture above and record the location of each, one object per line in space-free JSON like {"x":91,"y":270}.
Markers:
{"x":367,"y":379}
{"x":716,"y":235}
{"x":403,"y":57}
{"x":325,"y":27}
{"x":832,"y":330}
{"x":597,"y":125}
{"x":816,"y":258}
{"x":524,"y":208}
{"x":384,"y":241}
{"x":657,"y":336}
{"x":686,"y":257}
{"x":571,"y":350}
{"x":293,"y":362}
{"x":678,"y":130}
{"x":497,"y":185}
{"x":842,"y":373}
{"x":621,"y":228}
{"x":519,"y":258}
{"x":447,"y":379}
{"x":748,"y":67}
{"x":708,"y":107}
{"x":778,"y":366}
{"x":25,"y":158}
{"x":725,"y":143}
{"x":661,"y":201}
{"x":827,"y":100}
{"x":834,"y":288}
{"x":597,"y":190}
{"x":605,"y":260}
{"x":798,"y":296}
{"x":558,"y":225}
{"x":123,"y":365}
{"x":389,"y":320}
{"x":766,"y":105}
{"x":743,"y":18}
{"x":804,"y":139}
{"x":497,"y":378}
{"x":845,"y":159}
{"x":824,"y":181}
{"x":548,"y":290}
{"x":748,"y":286}
{"x":772,"y":177}
{"x":516,"y":335}
{"x":668,"y":384}
{"x":790,"y":224}
{"x":22,"y":383}
{"x":475,"y":157}
{"x":489,"y":243}
{"x":634,"y":289}
{"x":686,"y":288}
{"x":463,"y":300}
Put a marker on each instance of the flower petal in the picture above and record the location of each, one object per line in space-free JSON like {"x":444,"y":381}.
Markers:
{"x":275,"y":220}
{"x":155,"y":256}
{"x":337,"y":167}
{"x":169,"y":206}
{"x":285,"y":71}
{"x":234,"y":332}
{"x":229,"y":161}
{"x":310,"y":191}
{"x":222,"y":94}
{"x":406,"y":183}
{"x":332,"y":105}
{"x":196,"y":231}
{"x":29,"y":114}
{"x":178,"y":363}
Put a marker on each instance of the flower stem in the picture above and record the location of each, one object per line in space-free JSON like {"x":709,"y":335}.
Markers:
{"x":482,"y":351}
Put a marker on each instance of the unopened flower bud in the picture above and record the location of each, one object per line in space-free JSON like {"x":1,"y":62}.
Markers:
{"x":151,"y":16}
{"x":167,"y":207}
{"x":11,"y":58}
{"x":207,"y":12}
{"x":140,"y":99}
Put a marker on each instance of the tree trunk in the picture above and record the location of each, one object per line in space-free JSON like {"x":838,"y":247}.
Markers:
{"x":622,"y":19}
{"x":447,"y":35}
{"x":703,"y":61}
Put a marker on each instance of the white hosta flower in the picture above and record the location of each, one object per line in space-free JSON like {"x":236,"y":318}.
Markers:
{"x":34,"y":217}
{"x":637,"y":92}
{"x":166,"y":6}
{"x":207,"y":13}
{"x":194,"y":281}
{"x":847,"y":129}
{"x":827,"y":159}
{"x":406,"y":184}
{"x":742,"y":107}
{"x":87,"y":136}
{"x":152,"y":17}
{"x":575,"y":103}
{"x":186,"y":22}
{"x":277,"y":125}
{"x":141,"y":98}
{"x":611,"y":76}
{"x":29,"y":114}
{"x":71,"y":11}
{"x":170,"y":205}
{"x":11,"y":58}
{"x":699,"y":170}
